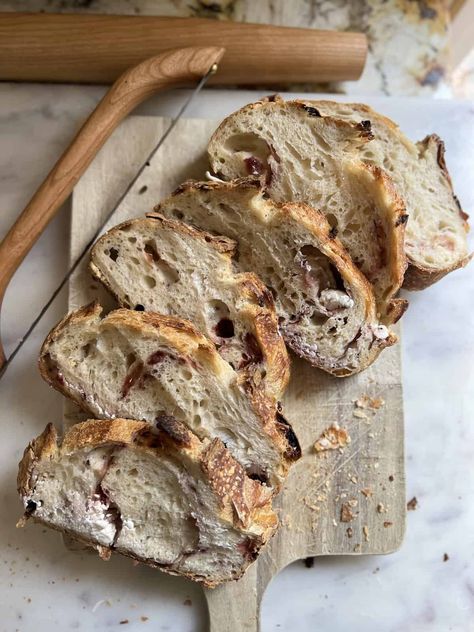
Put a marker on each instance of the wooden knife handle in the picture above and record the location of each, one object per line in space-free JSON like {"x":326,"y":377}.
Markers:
{"x":98,"y":48}
{"x":174,"y":68}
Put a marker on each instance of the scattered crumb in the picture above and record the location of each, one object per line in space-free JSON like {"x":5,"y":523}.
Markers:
{"x":381,"y":508}
{"x":334,"y":522}
{"x":286,"y":522}
{"x":187,"y":602}
{"x":311,"y":505}
{"x":387,"y":523}
{"x":360,"y":414}
{"x":376,"y":465}
{"x":412,"y":504}
{"x":349,"y":532}
{"x":124,"y":621}
{"x":370,"y":435}
{"x":353,"y":479}
{"x":357,"y":548}
{"x":374,"y":403}
{"x":143,"y":618}
{"x":332,"y":438}
{"x":29,"y":600}
{"x":376,"y":570}
{"x":445,"y":557}
{"x":309,"y":562}
{"x":365,"y":531}
{"x":346,"y":513}
{"x":366,"y":491}
{"x":391,"y":478}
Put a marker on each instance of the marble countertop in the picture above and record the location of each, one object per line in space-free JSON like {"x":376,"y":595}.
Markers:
{"x":408,"y":39}
{"x":427,"y":585}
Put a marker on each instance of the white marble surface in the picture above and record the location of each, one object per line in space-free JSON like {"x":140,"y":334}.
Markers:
{"x":44,"y":587}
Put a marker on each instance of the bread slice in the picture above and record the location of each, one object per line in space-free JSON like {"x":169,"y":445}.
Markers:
{"x":169,"y":267}
{"x":146,"y":366}
{"x":158,"y":495}
{"x":435,"y":238}
{"x":325,"y":306}
{"x":305,"y":156}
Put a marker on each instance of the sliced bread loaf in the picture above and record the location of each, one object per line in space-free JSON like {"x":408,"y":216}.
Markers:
{"x":435,"y":237}
{"x":146,"y":366}
{"x":169,"y":267}
{"x":325,"y":306}
{"x":158,"y":495}
{"x":305,"y":156}
{"x":295,"y":145}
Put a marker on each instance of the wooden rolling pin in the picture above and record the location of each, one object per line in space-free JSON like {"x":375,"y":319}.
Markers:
{"x":98,"y":48}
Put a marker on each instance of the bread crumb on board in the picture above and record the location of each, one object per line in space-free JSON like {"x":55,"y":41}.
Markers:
{"x":445,"y":557}
{"x":373,"y":403}
{"x":332,"y":438}
{"x":412,"y":504}
{"x":365,"y":531}
{"x":367,"y":492}
{"x":346,"y":514}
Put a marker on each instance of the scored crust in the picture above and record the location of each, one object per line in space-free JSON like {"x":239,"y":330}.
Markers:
{"x":242,"y":502}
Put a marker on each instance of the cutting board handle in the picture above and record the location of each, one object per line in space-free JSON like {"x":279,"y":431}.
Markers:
{"x":170,"y":69}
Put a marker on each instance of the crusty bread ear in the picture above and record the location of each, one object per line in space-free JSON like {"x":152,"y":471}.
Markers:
{"x":325,"y":306}
{"x":166,"y":266}
{"x":307,"y":156}
{"x":435,"y":237}
{"x":141,"y":365}
{"x":158,"y":495}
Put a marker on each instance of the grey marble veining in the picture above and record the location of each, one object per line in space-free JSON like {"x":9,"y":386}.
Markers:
{"x":47,"y":588}
{"x":408,"y":39}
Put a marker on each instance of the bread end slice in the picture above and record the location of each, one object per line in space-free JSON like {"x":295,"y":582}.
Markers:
{"x":160,"y":496}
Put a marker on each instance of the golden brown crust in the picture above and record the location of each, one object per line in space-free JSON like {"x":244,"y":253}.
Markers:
{"x":316,"y":223}
{"x":260,"y":311}
{"x":419,"y":278}
{"x":241,"y":498}
{"x":244,"y":503}
{"x":185,"y":338}
{"x":41,"y":448}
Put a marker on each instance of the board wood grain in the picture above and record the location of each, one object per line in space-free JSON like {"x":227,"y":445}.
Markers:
{"x":347,"y":501}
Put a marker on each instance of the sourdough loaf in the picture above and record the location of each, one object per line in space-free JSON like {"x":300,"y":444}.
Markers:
{"x":166,"y":266}
{"x":299,"y":144}
{"x":435,"y":236}
{"x":156,"y":494}
{"x":306,"y":156}
{"x":326,"y":308}
{"x":140,"y":365}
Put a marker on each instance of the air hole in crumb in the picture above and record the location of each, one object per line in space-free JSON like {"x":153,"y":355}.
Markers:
{"x":113,"y":254}
{"x":139,"y":308}
{"x":132,"y":240}
{"x":225,"y":328}
{"x":151,"y":252}
{"x":176,"y":213}
{"x":150,"y":281}
{"x":133,"y":472}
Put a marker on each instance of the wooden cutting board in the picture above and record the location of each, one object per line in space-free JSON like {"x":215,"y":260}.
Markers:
{"x":346,"y":501}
